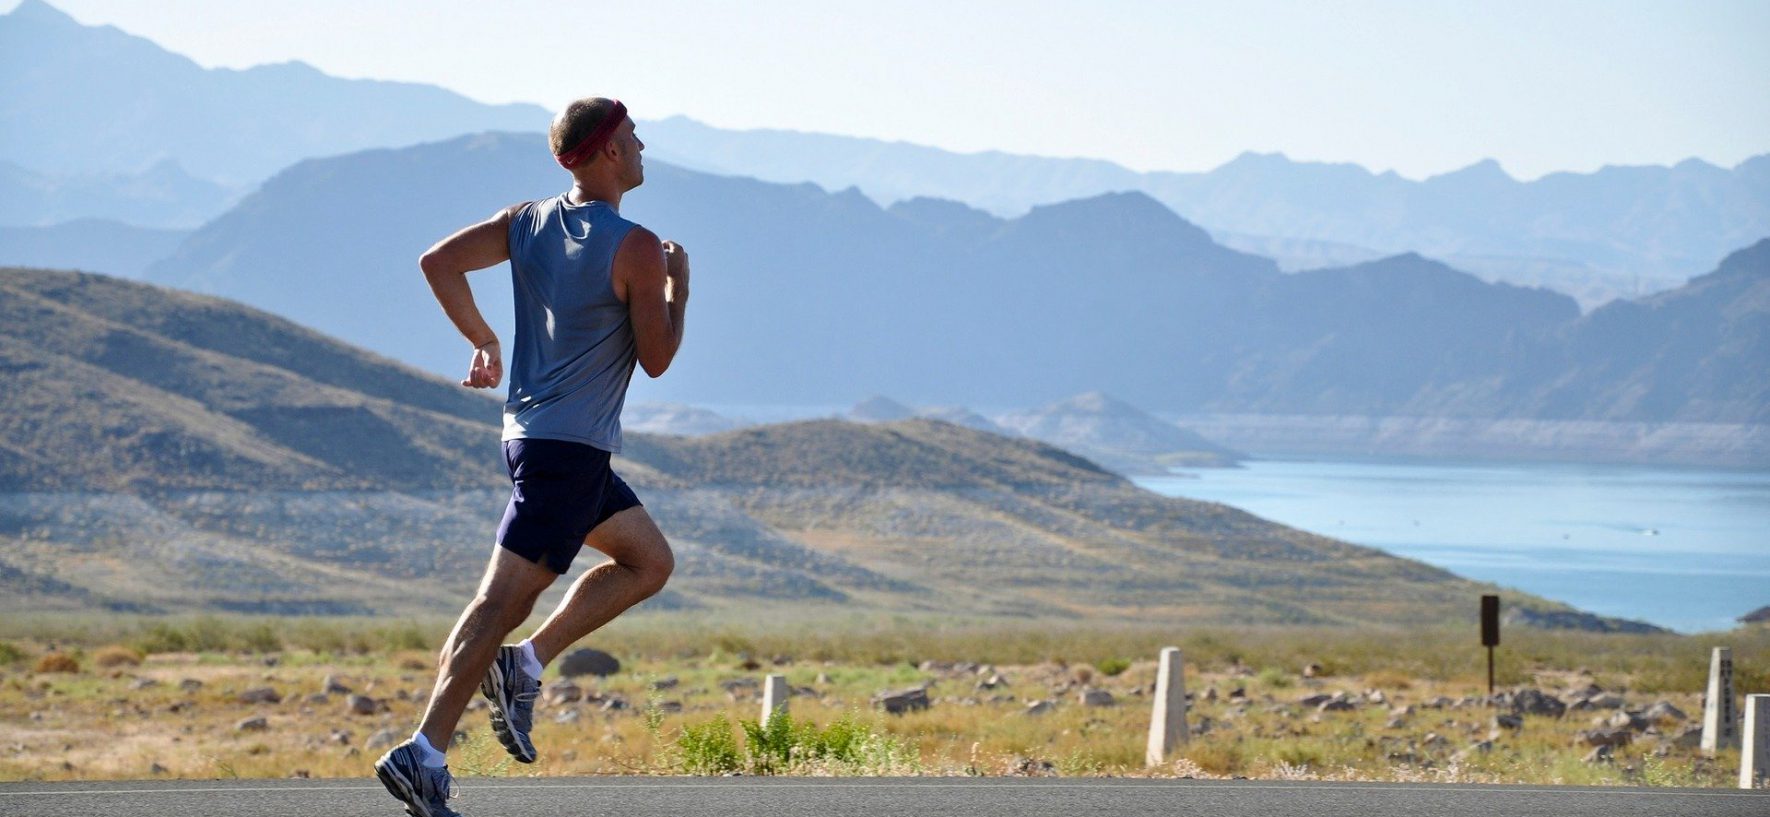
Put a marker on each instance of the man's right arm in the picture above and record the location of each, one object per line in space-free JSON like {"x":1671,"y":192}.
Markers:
{"x":652,"y":277}
{"x":445,"y":267}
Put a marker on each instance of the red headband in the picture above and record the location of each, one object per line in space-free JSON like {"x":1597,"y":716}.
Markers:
{"x":593,"y":143}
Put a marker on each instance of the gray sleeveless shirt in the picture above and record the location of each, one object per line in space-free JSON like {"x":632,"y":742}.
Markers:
{"x":574,"y":350}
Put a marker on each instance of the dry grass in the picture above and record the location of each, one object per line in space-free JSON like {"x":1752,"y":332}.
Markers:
{"x":115,"y":656}
{"x":124,"y":722}
{"x":57,"y":662}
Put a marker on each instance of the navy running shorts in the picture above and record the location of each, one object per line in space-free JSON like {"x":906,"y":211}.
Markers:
{"x":560,"y":492}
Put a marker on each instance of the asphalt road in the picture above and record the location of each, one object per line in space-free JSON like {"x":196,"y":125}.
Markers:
{"x":914,"y":797}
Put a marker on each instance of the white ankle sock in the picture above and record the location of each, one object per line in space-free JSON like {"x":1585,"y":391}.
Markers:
{"x":530,"y":664}
{"x":432,"y":758}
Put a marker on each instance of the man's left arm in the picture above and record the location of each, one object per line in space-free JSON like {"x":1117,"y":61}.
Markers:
{"x":446,"y":266}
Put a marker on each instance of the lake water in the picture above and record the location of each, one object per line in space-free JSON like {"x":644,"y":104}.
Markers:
{"x":1685,"y":549}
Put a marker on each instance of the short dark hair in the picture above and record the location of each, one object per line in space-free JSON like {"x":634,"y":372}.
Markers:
{"x":576,"y":122}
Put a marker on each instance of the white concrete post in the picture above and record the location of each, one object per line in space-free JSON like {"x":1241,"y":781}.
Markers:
{"x":774,"y":696}
{"x":1754,"y":756}
{"x":1720,"y":721}
{"x":1167,"y":724}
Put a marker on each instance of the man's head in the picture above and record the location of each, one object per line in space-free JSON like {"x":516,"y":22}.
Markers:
{"x":593,"y":138}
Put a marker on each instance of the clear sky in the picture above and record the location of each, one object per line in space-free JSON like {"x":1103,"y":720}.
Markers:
{"x":1420,"y":87}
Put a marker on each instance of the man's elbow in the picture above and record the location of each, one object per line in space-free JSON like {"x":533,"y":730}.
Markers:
{"x":430,"y":263}
{"x":654,"y":369}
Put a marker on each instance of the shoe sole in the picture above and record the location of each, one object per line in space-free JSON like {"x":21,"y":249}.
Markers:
{"x":493,"y":688}
{"x":401,"y":788}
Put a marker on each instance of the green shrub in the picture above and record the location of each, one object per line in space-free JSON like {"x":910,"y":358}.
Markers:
{"x":209,"y":634}
{"x":1274,"y":678}
{"x":1113,"y":667}
{"x":768,"y":747}
{"x":10,"y":653}
{"x":261,"y":637}
{"x":406,"y":636}
{"x":1298,"y":754}
{"x":163,"y":637}
{"x":841,"y":741}
{"x":709,"y":748}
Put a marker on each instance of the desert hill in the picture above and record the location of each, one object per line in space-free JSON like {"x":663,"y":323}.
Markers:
{"x":115,"y":385}
{"x":171,"y":452}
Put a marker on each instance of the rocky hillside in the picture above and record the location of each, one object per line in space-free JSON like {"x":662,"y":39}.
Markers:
{"x":117,"y":386}
{"x":166,"y":452}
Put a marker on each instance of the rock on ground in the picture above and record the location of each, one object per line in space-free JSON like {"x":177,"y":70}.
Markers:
{"x":903,"y":700}
{"x":261,"y":695}
{"x":1607,"y":737}
{"x":1096,"y":697}
{"x":1537,"y":702}
{"x":561,"y":692}
{"x":588,"y":662}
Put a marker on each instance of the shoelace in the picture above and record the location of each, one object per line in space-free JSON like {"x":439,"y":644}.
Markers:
{"x":525,"y":697}
{"x":438,"y":781}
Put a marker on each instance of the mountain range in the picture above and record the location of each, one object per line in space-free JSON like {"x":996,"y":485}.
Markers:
{"x":1616,"y":232}
{"x":140,"y":106}
{"x":91,"y":244}
{"x":198,"y":138}
{"x":165,"y":451}
{"x":1118,"y":435}
{"x":162,"y":197}
{"x":807,"y":297}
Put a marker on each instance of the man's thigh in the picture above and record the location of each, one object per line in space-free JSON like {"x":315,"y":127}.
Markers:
{"x":630,"y":537}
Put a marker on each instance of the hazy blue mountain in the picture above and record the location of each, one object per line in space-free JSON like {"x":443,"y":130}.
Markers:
{"x":162,"y":197}
{"x":675,"y":418}
{"x":90,"y":244}
{"x":881,"y":409}
{"x":1297,"y":254}
{"x":804,"y":297}
{"x":1002,"y":183}
{"x":1118,"y":435}
{"x":1620,"y":231}
{"x":99,"y":100}
{"x":1700,"y":352}
{"x":290,"y":248}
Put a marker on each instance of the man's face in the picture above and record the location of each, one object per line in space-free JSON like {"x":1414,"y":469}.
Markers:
{"x":632,"y":165}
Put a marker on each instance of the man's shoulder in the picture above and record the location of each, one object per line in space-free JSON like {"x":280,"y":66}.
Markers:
{"x":640,"y":238}
{"x":527,"y":208}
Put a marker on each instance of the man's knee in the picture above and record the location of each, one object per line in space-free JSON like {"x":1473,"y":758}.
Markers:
{"x":655,"y":566}
{"x":634,"y":542}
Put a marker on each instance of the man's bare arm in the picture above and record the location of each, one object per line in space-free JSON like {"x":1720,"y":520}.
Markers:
{"x":446,"y":265}
{"x":652,"y":277}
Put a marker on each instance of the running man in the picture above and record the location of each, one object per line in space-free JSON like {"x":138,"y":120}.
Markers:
{"x":595,"y":294}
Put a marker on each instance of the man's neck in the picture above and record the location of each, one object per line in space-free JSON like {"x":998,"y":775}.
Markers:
{"x":586,"y":190}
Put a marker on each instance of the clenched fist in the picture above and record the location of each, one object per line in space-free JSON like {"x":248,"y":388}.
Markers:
{"x":487,"y":367}
{"x":676,"y":269}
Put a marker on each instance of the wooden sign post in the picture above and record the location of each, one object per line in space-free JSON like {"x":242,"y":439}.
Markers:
{"x":1490,"y":633}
